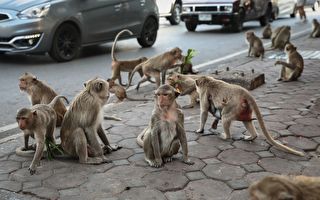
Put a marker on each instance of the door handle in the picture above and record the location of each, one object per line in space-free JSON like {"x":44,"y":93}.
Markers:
{"x":117,"y":7}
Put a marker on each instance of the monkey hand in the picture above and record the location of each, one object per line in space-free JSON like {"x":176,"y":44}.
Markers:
{"x":200,"y":130}
{"x":278,"y":62}
{"x":32,"y":170}
{"x":157,"y":163}
{"x":188,"y":161}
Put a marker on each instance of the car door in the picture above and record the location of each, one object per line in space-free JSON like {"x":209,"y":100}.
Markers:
{"x":164,"y":7}
{"x":286,"y":7}
{"x":133,"y":15}
{"x":101,"y":19}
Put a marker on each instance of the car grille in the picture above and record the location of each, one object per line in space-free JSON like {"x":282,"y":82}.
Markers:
{"x":3,"y":16}
{"x":206,"y":8}
{"x":5,"y":39}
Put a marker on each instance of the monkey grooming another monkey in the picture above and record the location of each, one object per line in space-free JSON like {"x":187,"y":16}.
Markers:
{"x":280,"y":37}
{"x":120,"y":92}
{"x":165,"y":133}
{"x":41,"y":93}
{"x":293,"y":68}
{"x":235,"y":103}
{"x":123,"y":65}
{"x":286,"y":188}
{"x":160,"y":63}
{"x":255,"y":44}
{"x":315,"y":29}
{"x":267,"y":32}
{"x":39,"y":122}
{"x":82,"y":124}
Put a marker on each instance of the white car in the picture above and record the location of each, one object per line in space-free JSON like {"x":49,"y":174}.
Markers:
{"x":170,"y":9}
{"x":287,"y":7}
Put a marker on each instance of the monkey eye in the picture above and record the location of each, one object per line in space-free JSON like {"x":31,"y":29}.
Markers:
{"x":165,"y":95}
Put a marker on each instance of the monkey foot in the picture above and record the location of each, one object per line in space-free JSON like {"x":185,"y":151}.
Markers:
{"x":199,"y":131}
{"x":249,"y":138}
{"x":168,"y":159}
{"x":187,"y":106}
{"x":279,"y":79}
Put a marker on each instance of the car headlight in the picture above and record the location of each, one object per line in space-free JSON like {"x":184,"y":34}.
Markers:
{"x":228,"y":8}
{"x":186,"y":9}
{"x":38,"y":11}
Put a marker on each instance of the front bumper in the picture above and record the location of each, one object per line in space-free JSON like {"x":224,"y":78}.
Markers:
{"x":216,"y":18}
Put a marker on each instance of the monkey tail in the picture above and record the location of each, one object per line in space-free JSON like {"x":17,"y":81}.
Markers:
{"x":27,"y":153}
{"x":115,"y":42}
{"x":140,"y":138}
{"x":55,"y":100}
{"x":267,"y":134}
{"x":138,"y":67}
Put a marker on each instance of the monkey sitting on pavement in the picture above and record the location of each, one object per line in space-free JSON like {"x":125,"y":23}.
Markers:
{"x":286,"y":188}
{"x":280,"y":37}
{"x":315,"y":29}
{"x":123,"y":65}
{"x":165,"y":133}
{"x":41,"y":93}
{"x":120,"y":92}
{"x":82,"y":124}
{"x":293,"y":68}
{"x":235,"y":103}
{"x":156,"y":65}
{"x":39,"y":122}
{"x":267,"y":32}
{"x":255,"y":44}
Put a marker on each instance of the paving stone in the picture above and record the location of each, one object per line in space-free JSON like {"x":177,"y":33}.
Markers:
{"x":69,"y":192}
{"x":12,"y":186}
{"x":121,"y":162}
{"x":264,"y":154}
{"x":256,"y":145}
{"x":300,"y":143}
{"x":214,"y":141}
{"x":63,"y":181}
{"x":252,"y":168}
{"x":282,"y":154}
{"x":192,"y":176}
{"x":124,"y":131}
{"x":305,"y":131}
{"x":138,"y":150}
{"x":203,"y":151}
{"x":165,"y":180}
{"x":43,"y":192}
{"x":178,"y":165}
{"x":280,"y":166}
{"x":14,"y":157}
{"x":10,"y":147}
{"x":207,"y":189}
{"x":239,"y":195}
{"x":141,"y":194}
{"x":192,"y":136}
{"x":223,"y":171}
{"x":120,"y":154}
{"x":316,"y":139}
{"x":238,"y":184}
{"x":113,"y":138}
{"x":7,"y":195}
{"x":177,"y":195}
{"x":31,"y":184}
{"x":285,"y":133}
{"x":4,"y":177}
{"x":23,"y":175}
{"x":126,"y":173}
{"x":253,"y":177}
{"x":238,"y":157}
{"x":129,"y":143}
{"x":312,"y":168}
{"x":9,"y":166}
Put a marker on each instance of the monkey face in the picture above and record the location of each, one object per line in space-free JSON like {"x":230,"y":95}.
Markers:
{"x":25,"y":81}
{"x":24,"y":118}
{"x":98,"y":87}
{"x":290,"y":48}
{"x":177,"y":53}
{"x":249,"y":35}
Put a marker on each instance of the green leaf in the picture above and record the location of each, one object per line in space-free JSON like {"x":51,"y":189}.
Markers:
{"x":191,"y":53}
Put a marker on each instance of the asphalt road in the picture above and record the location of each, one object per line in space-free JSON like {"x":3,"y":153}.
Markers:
{"x":211,"y":42}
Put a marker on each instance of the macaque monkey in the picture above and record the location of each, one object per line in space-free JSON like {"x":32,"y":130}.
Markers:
{"x":41,"y":93}
{"x":280,"y":37}
{"x":255,"y":44}
{"x":315,"y":29}
{"x":165,"y":133}
{"x":82,"y":124}
{"x":293,"y":68}
{"x":234,"y":103}
{"x":267,"y":32}
{"x":160,"y":63}
{"x":123,"y":65}
{"x":286,"y":188}
{"x":39,"y":122}
{"x":120,"y":92}
{"x":183,"y":83}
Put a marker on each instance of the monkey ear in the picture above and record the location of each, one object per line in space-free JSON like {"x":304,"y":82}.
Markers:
{"x":98,"y":87}
{"x":196,"y":82}
{"x":285,"y":196}
{"x":85,"y":84}
{"x":34,"y":113}
{"x":34,"y":78}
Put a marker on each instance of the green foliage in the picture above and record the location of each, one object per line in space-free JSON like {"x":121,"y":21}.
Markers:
{"x":191,"y":53}
{"x":52,"y":149}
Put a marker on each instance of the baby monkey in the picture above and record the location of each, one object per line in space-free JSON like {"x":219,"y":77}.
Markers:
{"x":165,"y":133}
{"x":39,"y":122}
{"x":315,"y":29}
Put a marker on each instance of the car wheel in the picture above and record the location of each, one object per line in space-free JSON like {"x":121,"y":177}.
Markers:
{"x":174,"y":19}
{"x":66,"y":43}
{"x":264,"y":20}
{"x":191,"y":25}
{"x":148,"y":34}
{"x":237,"y":24}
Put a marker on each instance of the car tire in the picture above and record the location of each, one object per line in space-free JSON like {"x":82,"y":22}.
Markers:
{"x":265,"y":19}
{"x":149,"y":33}
{"x":237,"y":24}
{"x":174,"y":19}
{"x":191,"y":25}
{"x":66,"y":43}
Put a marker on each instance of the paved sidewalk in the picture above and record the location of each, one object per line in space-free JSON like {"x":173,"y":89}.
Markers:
{"x":223,"y":169}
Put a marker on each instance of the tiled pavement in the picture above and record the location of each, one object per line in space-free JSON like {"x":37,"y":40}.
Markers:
{"x":223,"y":169}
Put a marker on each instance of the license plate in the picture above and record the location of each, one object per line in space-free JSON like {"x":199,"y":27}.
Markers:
{"x":205,"y":17}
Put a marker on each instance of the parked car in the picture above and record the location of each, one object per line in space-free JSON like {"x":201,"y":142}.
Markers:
{"x":62,"y":27}
{"x":170,"y":9}
{"x":287,"y":7}
{"x":225,"y":12}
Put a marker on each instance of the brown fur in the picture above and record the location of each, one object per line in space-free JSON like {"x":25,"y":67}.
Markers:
{"x":267,"y":32}
{"x":280,"y":37}
{"x":165,"y":133}
{"x":255,"y":44}
{"x":41,"y":93}
{"x":293,"y":68}
{"x":160,"y":63}
{"x":123,"y":65}
{"x":315,"y":29}
{"x":235,"y":103}
{"x":283,"y":187}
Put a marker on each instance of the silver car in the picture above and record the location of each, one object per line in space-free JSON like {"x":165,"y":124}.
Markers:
{"x":62,"y":27}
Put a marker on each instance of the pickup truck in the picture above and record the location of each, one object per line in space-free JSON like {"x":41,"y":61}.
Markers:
{"x":225,"y":12}
{"x":170,"y":9}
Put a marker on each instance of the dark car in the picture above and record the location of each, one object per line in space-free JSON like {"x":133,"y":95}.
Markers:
{"x":61,"y":27}
{"x":225,"y":12}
